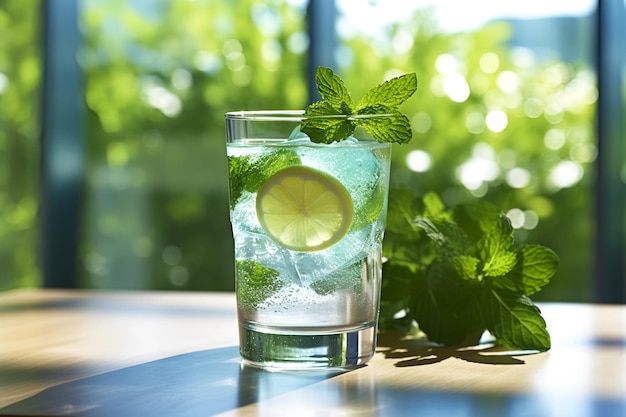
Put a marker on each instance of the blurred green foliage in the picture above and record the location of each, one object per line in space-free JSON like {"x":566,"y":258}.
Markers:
{"x":159,"y":80}
{"x":538,"y":168}
{"x":20,"y":74}
{"x":489,"y":122}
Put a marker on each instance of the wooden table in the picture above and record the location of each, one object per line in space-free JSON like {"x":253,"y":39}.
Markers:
{"x":153,"y":354}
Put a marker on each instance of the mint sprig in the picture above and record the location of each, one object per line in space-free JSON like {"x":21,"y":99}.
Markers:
{"x":255,"y":283}
{"x":457,"y":273}
{"x":327,"y":121}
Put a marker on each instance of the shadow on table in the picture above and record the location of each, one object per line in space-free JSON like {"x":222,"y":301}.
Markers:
{"x":194,"y":384}
{"x":419,"y":351}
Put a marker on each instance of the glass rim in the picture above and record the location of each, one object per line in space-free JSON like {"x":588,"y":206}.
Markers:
{"x":293,"y":115}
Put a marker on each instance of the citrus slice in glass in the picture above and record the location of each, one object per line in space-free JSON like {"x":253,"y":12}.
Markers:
{"x":304,"y":209}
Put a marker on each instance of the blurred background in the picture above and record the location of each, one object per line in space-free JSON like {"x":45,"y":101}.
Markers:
{"x":113,"y":171}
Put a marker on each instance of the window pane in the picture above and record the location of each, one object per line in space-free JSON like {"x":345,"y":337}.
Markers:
{"x":159,"y":77}
{"x":20,"y":80}
{"x":504,"y":111}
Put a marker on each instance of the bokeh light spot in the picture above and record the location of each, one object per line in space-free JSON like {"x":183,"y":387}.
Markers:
{"x":172,"y":255}
{"x":421,"y":122}
{"x":516,"y":216}
{"x":456,"y":87}
{"x":496,"y":120}
{"x":566,"y":174}
{"x":533,"y":107}
{"x":554,"y":139}
{"x":475,"y":122}
{"x":418,"y":160}
{"x":518,"y":177}
{"x":489,"y":62}
{"x":508,"y":82}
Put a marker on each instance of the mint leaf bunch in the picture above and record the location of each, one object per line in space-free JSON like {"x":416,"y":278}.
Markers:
{"x":457,"y":273}
{"x":327,"y":122}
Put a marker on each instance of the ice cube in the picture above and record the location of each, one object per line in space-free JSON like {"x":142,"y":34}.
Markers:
{"x":298,"y":134}
{"x":358,"y":168}
{"x":313,"y":266}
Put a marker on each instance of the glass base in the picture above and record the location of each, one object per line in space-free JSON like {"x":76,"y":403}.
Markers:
{"x":298,"y":350}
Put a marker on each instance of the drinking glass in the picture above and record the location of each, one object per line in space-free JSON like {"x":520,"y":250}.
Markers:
{"x":308,"y":221}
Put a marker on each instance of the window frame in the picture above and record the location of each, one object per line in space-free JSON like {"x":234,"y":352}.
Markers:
{"x":62,"y":138}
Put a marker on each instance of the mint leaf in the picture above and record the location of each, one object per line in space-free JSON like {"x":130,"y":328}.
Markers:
{"x":341,"y":279}
{"x":466,"y":266}
{"x":325,"y":129}
{"x":480,"y":218}
{"x":449,"y":238}
{"x":320,"y":108}
{"x":248,"y":174}
{"x":496,"y":255}
{"x":333,"y":91}
{"x":433,"y":206}
{"x":238,"y":169}
{"x":394,"y":128}
{"x":336,"y":117}
{"x":255,"y":283}
{"x":391,"y":93}
{"x":395,"y":297}
{"x":462,"y":273}
{"x":403,"y":207}
{"x":516,"y":322}
{"x":405,"y":243}
{"x":445,"y":310}
{"x":536,"y":266}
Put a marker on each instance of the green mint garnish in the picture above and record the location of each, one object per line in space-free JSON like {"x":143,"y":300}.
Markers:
{"x":238,"y":168}
{"x":457,"y":273}
{"x":342,"y":279}
{"x":248,"y":173}
{"x":255,"y":283}
{"x":385,"y":98}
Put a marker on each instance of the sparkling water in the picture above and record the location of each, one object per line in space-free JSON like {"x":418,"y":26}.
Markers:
{"x":320,"y":308}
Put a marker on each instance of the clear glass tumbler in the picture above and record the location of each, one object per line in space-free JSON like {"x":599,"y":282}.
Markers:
{"x":308,"y":221}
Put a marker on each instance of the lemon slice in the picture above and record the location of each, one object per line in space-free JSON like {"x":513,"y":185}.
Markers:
{"x":304,"y":209}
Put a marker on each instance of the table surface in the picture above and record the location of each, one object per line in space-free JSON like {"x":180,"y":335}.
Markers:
{"x":88,"y":353}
